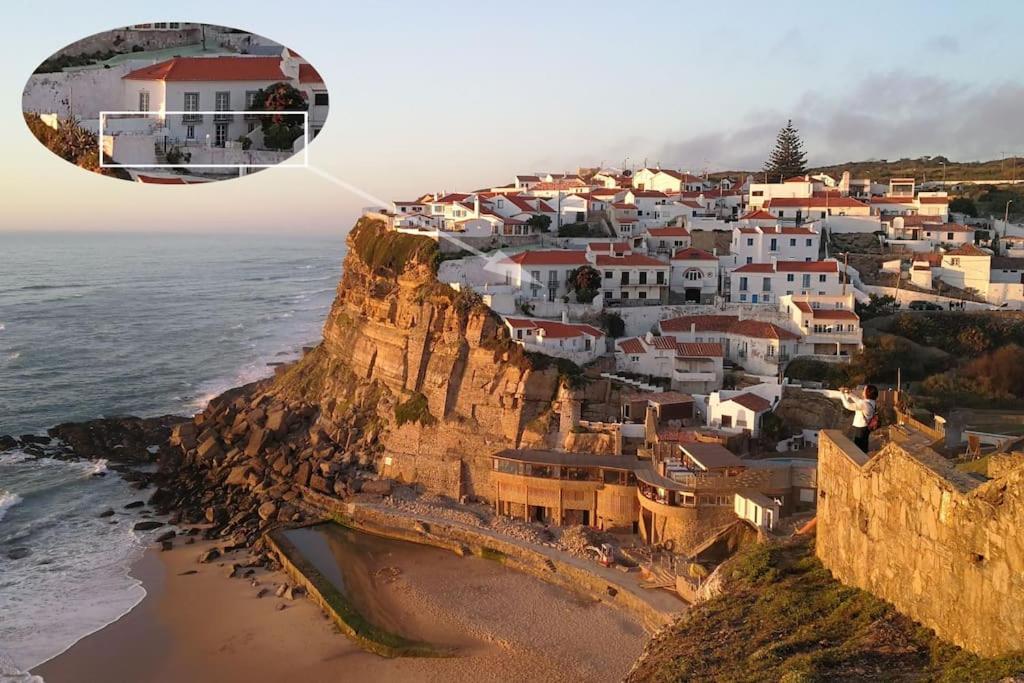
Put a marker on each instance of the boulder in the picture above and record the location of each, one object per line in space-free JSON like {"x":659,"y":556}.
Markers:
{"x":209,"y":449}
{"x":134,"y":504}
{"x":209,"y":556}
{"x":166,"y":536}
{"x":381,"y":487}
{"x":257,"y":439}
{"x":7,"y":442}
{"x":184,"y":435}
{"x":318,"y":483}
{"x":166,"y":545}
{"x":281,"y":590}
{"x":107,"y":513}
{"x":277,"y":423}
{"x":302,"y":474}
{"x":147,"y":526}
{"x":267,"y":510}
{"x":237,"y":475}
{"x":35,"y":439}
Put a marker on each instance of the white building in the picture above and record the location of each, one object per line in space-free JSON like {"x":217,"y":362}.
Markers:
{"x":692,"y":367}
{"x":665,"y":180}
{"x":738,"y":411}
{"x":633,"y":278}
{"x":828,"y":325}
{"x":542,"y":274}
{"x":581,"y":344}
{"x":665,"y":241}
{"x":758,"y":346}
{"x":764,"y":244}
{"x":764,"y":283}
{"x":695,"y":275}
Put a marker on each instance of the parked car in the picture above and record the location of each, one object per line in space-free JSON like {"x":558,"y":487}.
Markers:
{"x":919,"y":305}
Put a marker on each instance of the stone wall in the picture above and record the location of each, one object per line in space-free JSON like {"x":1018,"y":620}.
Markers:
{"x":941,"y":546}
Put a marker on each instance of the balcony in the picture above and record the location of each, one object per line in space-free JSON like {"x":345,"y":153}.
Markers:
{"x":191,"y":119}
{"x":225,"y":117}
{"x":692,"y":376}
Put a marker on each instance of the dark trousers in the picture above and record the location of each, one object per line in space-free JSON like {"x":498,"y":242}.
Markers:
{"x":860,"y":437}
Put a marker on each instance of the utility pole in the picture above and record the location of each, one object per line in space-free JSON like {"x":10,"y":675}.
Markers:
{"x":846,"y":269}
{"x":1006,"y":217}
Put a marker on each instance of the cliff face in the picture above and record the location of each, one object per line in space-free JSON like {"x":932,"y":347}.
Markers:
{"x":431,"y":370}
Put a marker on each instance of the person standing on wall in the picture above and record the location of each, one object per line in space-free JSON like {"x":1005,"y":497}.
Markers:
{"x":865,"y":413}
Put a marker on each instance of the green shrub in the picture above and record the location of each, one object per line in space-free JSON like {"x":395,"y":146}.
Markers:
{"x":415,"y":409}
{"x":383,"y":249}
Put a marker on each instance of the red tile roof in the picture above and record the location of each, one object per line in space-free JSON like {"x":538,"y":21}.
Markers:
{"x":702,"y":323}
{"x":834,"y":314}
{"x":967,"y":250}
{"x":755,"y":268}
{"x":933,"y":200}
{"x":761,"y":330}
{"x":668,"y":232}
{"x":649,"y":193}
{"x":307,"y":74}
{"x":758,"y":215}
{"x":211,"y":69}
{"x":616,"y":247}
{"x":563,"y":257}
{"x":624,"y":205}
{"x":752,"y":402}
{"x":631,"y":345}
{"x":630,"y":260}
{"x":700,"y":350}
{"x":693,"y":254}
{"x":807,"y":267}
{"x":831,"y":202}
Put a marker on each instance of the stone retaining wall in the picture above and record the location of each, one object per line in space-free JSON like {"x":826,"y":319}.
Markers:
{"x":944,"y":548}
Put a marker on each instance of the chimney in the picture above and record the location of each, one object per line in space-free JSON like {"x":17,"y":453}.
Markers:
{"x":693,"y":328}
{"x":649,"y":337}
{"x":476,"y":206}
{"x":565,"y":316}
{"x":289,"y":66}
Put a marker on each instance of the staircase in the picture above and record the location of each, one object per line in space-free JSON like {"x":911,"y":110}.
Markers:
{"x":643,"y":386}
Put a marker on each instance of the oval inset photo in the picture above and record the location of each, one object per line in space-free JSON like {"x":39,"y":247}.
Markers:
{"x":176,"y":103}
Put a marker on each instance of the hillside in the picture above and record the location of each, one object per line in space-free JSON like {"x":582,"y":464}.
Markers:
{"x":781,"y":617}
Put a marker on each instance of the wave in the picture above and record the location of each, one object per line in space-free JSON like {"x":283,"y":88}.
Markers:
{"x":8,"y":500}
{"x":2,"y":327}
{"x":99,"y":466}
{"x":9,"y":673}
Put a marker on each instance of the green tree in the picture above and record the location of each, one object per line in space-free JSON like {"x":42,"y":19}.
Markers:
{"x":877,"y":306}
{"x":788,"y":159}
{"x":613,"y":324}
{"x":280,"y":130}
{"x":964,"y":205}
{"x":586,"y":282}
{"x":539,"y":222}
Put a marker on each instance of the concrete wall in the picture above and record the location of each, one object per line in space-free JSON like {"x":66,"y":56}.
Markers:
{"x":82,"y":94}
{"x":943,"y":548}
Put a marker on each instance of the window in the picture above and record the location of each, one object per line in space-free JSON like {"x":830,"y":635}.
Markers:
{"x":660,"y":277}
{"x":770,"y":352}
{"x":692,"y":275}
{"x":143,"y":100}
{"x":750,"y":259}
{"x":792,"y":241}
{"x":781,"y":213}
{"x":192,"y":104}
{"x":809,"y":241}
{"x":806,"y":280}
{"x":774,"y":244}
{"x":320,"y":99}
{"x":607,"y":275}
{"x":220,"y":134}
{"x":743,"y":284}
{"x":954,"y":261}
{"x":789,"y":277}
{"x":643,"y":277}
{"x":250,"y":99}
{"x":222,"y":102}
{"x":190,"y":132}
{"x":642,"y":295}
{"x":750,"y":241}
{"x":822,"y":278}
{"x":624,"y":278}
{"x":766,"y":284}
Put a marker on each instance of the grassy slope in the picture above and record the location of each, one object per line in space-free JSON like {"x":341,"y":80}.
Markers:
{"x":783,"y":618}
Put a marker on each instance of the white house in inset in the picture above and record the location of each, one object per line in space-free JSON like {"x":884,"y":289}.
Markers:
{"x":758,"y":346}
{"x":764,"y":283}
{"x":763,"y":244}
{"x":828,"y":325}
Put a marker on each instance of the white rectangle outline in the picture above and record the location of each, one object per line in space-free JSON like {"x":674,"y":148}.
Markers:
{"x":305,"y":135}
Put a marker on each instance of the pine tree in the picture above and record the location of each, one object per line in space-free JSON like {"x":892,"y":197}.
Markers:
{"x":788,"y":159}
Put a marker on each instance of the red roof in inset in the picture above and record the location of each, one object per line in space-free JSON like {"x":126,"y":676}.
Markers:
{"x":211,"y":69}
{"x":700,"y":350}
{"x":307,"y":74}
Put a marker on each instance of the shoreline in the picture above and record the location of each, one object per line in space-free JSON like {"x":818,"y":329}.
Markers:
{"x":197,"y":624}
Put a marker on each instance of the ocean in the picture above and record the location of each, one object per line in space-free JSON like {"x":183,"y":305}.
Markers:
{"x":95,"y":325}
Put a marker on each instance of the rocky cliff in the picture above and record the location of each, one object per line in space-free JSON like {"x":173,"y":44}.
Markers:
{"x":412,"y":380}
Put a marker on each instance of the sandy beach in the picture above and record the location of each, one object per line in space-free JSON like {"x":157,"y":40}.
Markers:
{"x":197,"y":624}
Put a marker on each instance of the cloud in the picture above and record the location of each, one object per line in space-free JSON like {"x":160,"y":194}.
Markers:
{"x":944,"y":43}
{"x":888,"y":116}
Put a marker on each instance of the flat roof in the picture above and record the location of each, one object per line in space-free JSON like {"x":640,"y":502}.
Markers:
{"x":568,"y":459}
{"x":711,"y":455}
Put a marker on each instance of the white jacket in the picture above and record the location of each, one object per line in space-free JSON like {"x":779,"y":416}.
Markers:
{"x":863,"y":409}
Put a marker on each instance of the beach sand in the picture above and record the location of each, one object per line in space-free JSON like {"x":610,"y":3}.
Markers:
{"x":207,"y":627}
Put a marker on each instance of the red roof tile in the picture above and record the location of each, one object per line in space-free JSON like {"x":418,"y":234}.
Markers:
{"x":562,"y":257}
{"x":807,"y":267}
{"x":831,"y":202}
{"x":755,"y":268}
{"x":761,"y":330}
{"x":307,"y":74}
{"x":834,"y":314}
{"x":693,"y":254}
{"x":752,"y":402}
{"x":758,"y":215}
{"x":630,"y":260}
{"x":668,"y":232}
{"x":967,"y":250}
{"x":701,"y":323}
{"x":631,"y":345}
{"x":555,"y":330}
{"x":700,"y":350}
{"x":211,"y":69}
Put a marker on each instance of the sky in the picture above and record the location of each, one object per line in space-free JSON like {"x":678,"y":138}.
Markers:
{"x":460,"y":95}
